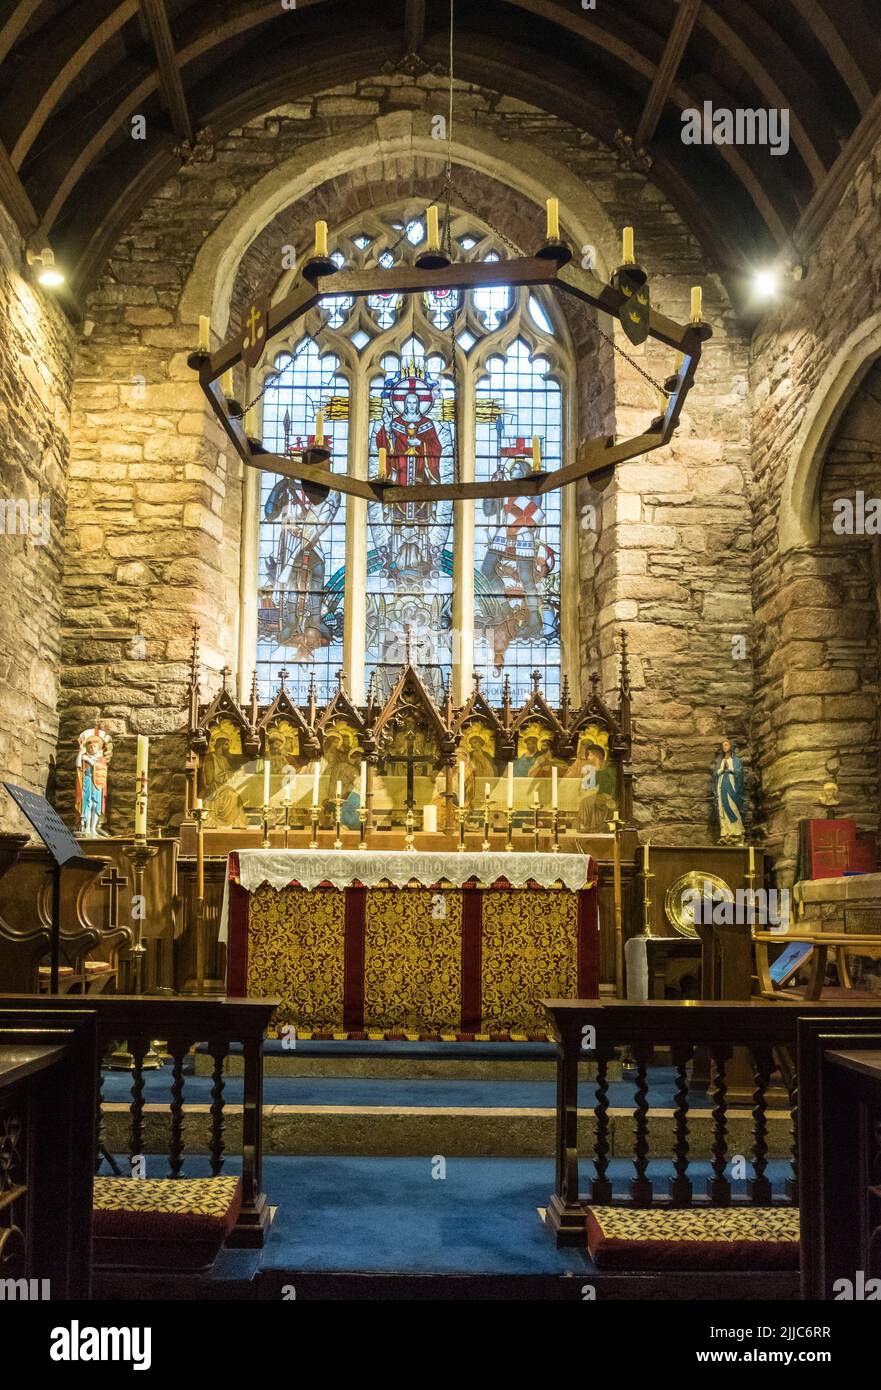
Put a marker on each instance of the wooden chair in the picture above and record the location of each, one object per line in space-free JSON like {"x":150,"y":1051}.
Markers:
{"x":816,"y":947}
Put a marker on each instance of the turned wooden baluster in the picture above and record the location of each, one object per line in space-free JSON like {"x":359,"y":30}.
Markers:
{"x":759,"y":1186}
{"x":601,"y":1187}
{"x":218,"y":1051}
{"x":178,"y":1051}
{"x":138,"y":1048}
{"x":719,"y":1186}
{"x":681,"y":1190}
{"x":792,"y":1183}
{"x":641,"y":1190}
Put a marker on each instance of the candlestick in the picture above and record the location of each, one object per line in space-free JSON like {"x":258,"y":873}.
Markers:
{"x":461,"y":785}
{"x":628,"y":255}
{"x":697,"y":300}
{"x":266,"y":825}
{"x":536,"y":454}
{"x":461,"y":817}
{"x":382,"y":466}
{"x":139,"y":855}
{"x":433,"y":231}
{"x":362,"y":785}
{"x":615,"y":825}
{"x":509,"y":829}
{"x":319,"y":428}
{"x":142,"y":763}
{"x":646,"y":891}
{"x":555,"y":830}
{"x":553,"y":786}
{"x":287,"y":823}
{"x":536,"y":805}
{"x":362,"y":822}
{"x":337,"y":802}
{"x":486,"y":823}
{"x":510,"y":786}
{"x":315,"y":777}
{"x":320,"y":238}
{"x":313,"y":842}
{"x":204,"y":333}
{"x":199,"y":816}
{"x":267,"y":769}
{"x":552,"y":209}
{"x":410,"y":827}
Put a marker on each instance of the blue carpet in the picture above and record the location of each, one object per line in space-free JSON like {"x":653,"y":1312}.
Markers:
{"x":391,"y":1215}
{"x":400,"y":1093}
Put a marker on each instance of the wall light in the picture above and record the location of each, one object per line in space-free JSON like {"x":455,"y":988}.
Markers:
{"x":766,"y":284}
{"x":48,"y":274}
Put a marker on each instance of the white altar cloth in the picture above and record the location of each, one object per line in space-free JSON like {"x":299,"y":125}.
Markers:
{"x":343,"y":868}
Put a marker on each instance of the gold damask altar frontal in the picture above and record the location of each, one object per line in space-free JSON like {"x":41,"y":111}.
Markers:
{"x":415,"y":963}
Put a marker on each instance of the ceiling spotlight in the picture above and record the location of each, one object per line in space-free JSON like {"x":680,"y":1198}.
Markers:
{"x":766,"y":284}
{"x":48,"y":273}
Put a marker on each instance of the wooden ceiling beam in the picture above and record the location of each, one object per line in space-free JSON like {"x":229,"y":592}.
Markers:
{"x":828,"y":196}
{"x":849,"y":52}
{"x":172,"y":87}
{"x":665,"y":74}
{"x":15,"y":198}
{"x":15,"y":15}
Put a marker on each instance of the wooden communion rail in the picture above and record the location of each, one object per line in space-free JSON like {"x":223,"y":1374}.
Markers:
{"x":181,"y":1023}
{"x":766,"y":1030}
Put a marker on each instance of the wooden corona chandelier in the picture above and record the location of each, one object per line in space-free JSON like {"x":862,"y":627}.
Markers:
{"x":626,"y":298}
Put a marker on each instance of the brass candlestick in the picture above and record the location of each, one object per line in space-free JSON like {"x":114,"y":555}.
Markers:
{"x":362,"y":822}
{"x":509,"y":829}
{"x":408,"y":843}
{"x":485,"y":826}
{"x":266,"y":825}
{"x":287,"y":824}
{"x":535,"y":810}
{"x":139,"y":855}
{"x":646,"y":894}
{"x":337,"y":823}
{"x":313,"y":843}
{"x":199,"y":817}
{"x":615,"y":826}
{"x":461,"y":815}
{"x":555,"y":830}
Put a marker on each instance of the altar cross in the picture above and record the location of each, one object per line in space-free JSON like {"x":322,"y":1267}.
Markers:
{"x":410,"y":759}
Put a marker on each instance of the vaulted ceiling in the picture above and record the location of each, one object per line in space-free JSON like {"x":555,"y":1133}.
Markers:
{"x":74,"y":72}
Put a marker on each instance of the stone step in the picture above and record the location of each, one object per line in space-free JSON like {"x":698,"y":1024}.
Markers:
{"x":401,"y":1131}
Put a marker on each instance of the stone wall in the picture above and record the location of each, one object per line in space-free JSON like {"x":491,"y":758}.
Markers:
{"x":812,"y":604}
{"x":35,"y":380}
{"x":153,"y":537}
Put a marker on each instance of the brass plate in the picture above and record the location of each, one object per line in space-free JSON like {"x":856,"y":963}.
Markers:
{"x":677,"y":913}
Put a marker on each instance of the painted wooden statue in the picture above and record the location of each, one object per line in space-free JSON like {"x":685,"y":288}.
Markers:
{"x":92,"y":760}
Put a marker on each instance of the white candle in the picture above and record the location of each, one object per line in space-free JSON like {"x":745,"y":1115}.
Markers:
{"x":752,"y":860}
{"x":628,"y":255}
{"x":363,"y":786}
{"x":553,"y":786}
{"x":429,"y":820}
{"x":535,"y":801}
{"x":226,"y":385}
{"x":266,"y":772}
{"x":339,"y":789}
{"x":319,"y":427}
{"x":552,"y":208}
{"x":697,"y":303}
{"x":321,"y":238}
{"x":510,"y":786}
{"x":198,"y":805}
{"x":143,"y":760}
{"x":315,"y":777}
{"x":287,"y":793}
{"x":204,"y":333}
{"x":461,"y":783}
{"x":645,"y":856}
{"x":433,"y":233}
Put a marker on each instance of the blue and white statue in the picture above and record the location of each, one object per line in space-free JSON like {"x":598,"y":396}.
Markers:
{"x":729,"y":805}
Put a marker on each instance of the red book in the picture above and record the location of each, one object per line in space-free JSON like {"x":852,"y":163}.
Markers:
{"x":828,"y":847}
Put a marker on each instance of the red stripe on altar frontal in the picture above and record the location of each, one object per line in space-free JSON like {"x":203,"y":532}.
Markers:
{"x":353,"y":983}
{"x":237,"y":942}
{"x":588,"y":941}
{"x":472,"y":932}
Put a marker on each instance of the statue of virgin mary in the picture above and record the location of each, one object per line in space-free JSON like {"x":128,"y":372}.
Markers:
{"x":729,"y":806}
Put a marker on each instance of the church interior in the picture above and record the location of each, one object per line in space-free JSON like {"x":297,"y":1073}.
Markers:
{"x":440,"y":659}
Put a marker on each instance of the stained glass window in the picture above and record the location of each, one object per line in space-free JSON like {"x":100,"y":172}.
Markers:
{"x":302,"y":537}
{"x":397,"y":351}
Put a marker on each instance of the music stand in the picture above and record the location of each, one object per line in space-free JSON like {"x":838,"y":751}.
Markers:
{"x":65,"y":852}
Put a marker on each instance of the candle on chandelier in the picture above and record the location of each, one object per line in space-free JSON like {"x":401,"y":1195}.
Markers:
{"x":461,"y":784}
{"x":697,"y":303}
{"x":363,"y":784}
{"x":204,"y":333}
{"x":536,"y":454}
{"x":251,"y":424}
{"x":433,"y":232}
{"x":315,"y":777}
{"x":321,"y":238}
{"x":510,"y":786}
{"x":226,"y":385}
{"x":382,"y":468}
{"x":553,"y":786}
{"x":267,"y":769}
{"x":628,"y":250}
{"x":143,"y":760}
{"x":319,"y":427}
{"x":552,"y":207}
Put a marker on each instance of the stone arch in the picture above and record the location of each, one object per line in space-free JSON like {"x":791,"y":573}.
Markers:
{"x":527,"y":170}
{"x":799,"y":520}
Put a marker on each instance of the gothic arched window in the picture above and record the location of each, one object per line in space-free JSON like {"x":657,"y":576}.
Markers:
{"x":453,"y":387}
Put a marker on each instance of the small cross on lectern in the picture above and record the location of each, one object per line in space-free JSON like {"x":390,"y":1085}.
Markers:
{"x":114,"y":881}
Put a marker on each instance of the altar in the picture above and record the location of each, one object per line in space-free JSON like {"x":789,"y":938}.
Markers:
{"x":411,"y":945}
